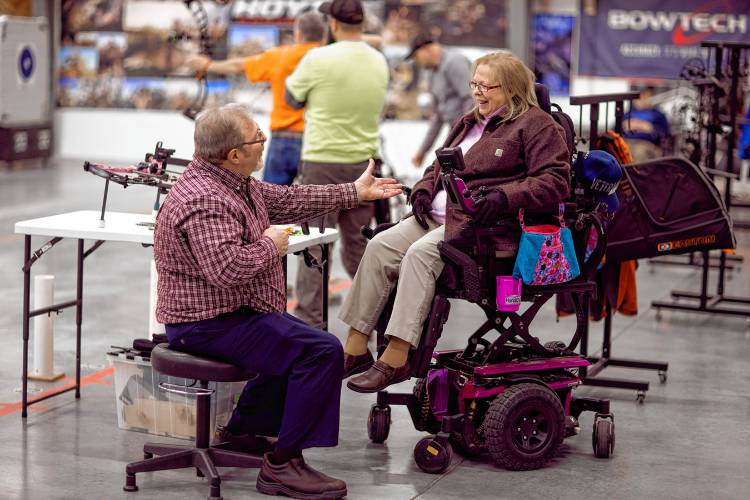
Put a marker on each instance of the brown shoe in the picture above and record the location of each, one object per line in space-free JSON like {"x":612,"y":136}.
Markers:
{"x":296,"y":479}
{"x":357,"y":364}
{"x":378,"y":377}
{"x":243,"y":443}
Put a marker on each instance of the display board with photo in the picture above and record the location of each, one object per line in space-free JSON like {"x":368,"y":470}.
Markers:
{"x":78,"y":62}
{"x":453,"y":22}
{"x":246,"y":40}
{"x":15,"y":7}
{"x":90,"y":15}
{"x":552,"y":40}
{"x":132,"y":53}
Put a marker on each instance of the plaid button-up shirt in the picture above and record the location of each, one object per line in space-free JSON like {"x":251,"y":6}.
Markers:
{"x":210,"y":252}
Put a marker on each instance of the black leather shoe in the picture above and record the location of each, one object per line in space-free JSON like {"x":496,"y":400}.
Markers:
{"x":357,"y":364}
{"x":296,"y":479}
{"x":243,"y":443}
{"x":378,"y":377}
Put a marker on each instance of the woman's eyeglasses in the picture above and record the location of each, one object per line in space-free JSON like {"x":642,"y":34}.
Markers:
{"x":482,"y":87}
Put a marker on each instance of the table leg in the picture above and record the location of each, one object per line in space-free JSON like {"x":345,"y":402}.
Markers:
{"x":26,"y":319}
{"x":79,"y":316}
{"x":326,"y":272}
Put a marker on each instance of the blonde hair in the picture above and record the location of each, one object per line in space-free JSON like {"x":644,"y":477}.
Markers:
{"x":516,"y":82}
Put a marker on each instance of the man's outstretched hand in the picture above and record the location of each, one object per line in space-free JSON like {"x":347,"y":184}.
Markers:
{"x":370,"y":188}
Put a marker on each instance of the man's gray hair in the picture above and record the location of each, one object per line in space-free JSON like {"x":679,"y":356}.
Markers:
{"x":310,"y":26}
{"x":218,"y":130}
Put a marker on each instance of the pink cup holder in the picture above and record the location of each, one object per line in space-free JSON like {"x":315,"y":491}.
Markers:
{"x":508,"y":294}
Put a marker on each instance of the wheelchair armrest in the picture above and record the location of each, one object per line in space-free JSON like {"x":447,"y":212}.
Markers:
{"x":370,"y":232}
{"x":469,"y":269}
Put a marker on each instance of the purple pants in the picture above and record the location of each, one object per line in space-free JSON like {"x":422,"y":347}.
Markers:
{"x":297,"y":395}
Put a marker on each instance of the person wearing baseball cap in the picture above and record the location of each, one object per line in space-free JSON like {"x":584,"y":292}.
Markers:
{"x":346,"y":11}
{"x":419,"y":41}
{"x":342,"y":88}
{"x":450,"y":72}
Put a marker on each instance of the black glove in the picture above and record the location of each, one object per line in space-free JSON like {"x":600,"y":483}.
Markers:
{"x":490,"y":207}
{"x":421,"y":205}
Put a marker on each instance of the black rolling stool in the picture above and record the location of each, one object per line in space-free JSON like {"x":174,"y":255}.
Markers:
{"x":202,"y":456}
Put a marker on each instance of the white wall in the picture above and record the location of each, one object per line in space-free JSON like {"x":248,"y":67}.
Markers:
{"x":124,"y":136}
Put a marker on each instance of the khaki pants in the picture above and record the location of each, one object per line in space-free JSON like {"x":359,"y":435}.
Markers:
{"x":310,"y":281}
{"x":407,"y":254}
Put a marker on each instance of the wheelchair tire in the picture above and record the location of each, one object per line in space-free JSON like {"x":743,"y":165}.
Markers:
{"x":379,"y":423}
{"x":525,"y":426}
{"x":603,"y":438}
{"x":433,"y":454}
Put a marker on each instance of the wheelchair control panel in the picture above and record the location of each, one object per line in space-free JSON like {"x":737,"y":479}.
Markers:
{"x":451,"y":160}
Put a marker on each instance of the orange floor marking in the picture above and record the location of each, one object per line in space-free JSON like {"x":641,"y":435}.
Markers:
{"x":95,"y":378}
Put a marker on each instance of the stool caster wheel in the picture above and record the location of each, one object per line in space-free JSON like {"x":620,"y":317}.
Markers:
{"x":640,"y":397}
{"x":662,"y":376}
{"x":433,"y":454}
{"x":147,"y":455}
{"x":379,"y":423}
{"x":215,"y":492}
{"x":130,"y":483}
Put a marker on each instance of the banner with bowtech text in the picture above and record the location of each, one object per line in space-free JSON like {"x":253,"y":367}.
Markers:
{"x":647,"y":39}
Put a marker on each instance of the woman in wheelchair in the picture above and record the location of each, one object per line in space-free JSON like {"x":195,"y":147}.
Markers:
{"x":516,"y":153}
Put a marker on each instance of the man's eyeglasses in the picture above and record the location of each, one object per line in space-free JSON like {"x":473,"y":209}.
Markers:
{"x":261,"y":139}
{"x":482,"y":87}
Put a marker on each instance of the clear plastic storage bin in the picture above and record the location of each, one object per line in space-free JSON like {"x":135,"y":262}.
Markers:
{"x":144,"y":407}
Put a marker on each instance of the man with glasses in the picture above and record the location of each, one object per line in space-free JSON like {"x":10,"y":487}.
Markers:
{"x":452,"y":98}
{"x":221,"y":294}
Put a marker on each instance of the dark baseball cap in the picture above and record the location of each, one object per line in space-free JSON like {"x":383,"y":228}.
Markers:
{"x":600,"y":173}
{"x":346,"y":11}
{"x":418,"y":42}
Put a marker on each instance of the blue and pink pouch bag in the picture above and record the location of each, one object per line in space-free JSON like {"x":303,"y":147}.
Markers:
{"x":546,"y":255}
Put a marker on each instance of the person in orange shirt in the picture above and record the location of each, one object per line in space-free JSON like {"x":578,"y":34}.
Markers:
{"x":273,"y":66}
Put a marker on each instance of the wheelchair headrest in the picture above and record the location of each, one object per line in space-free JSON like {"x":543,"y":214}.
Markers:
{"x":542,"y":96}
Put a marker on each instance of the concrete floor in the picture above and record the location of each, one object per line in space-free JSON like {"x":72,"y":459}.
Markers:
{"x":689,"y":440}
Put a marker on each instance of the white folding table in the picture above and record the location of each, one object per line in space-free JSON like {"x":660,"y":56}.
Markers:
{"x":118,"y":226}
